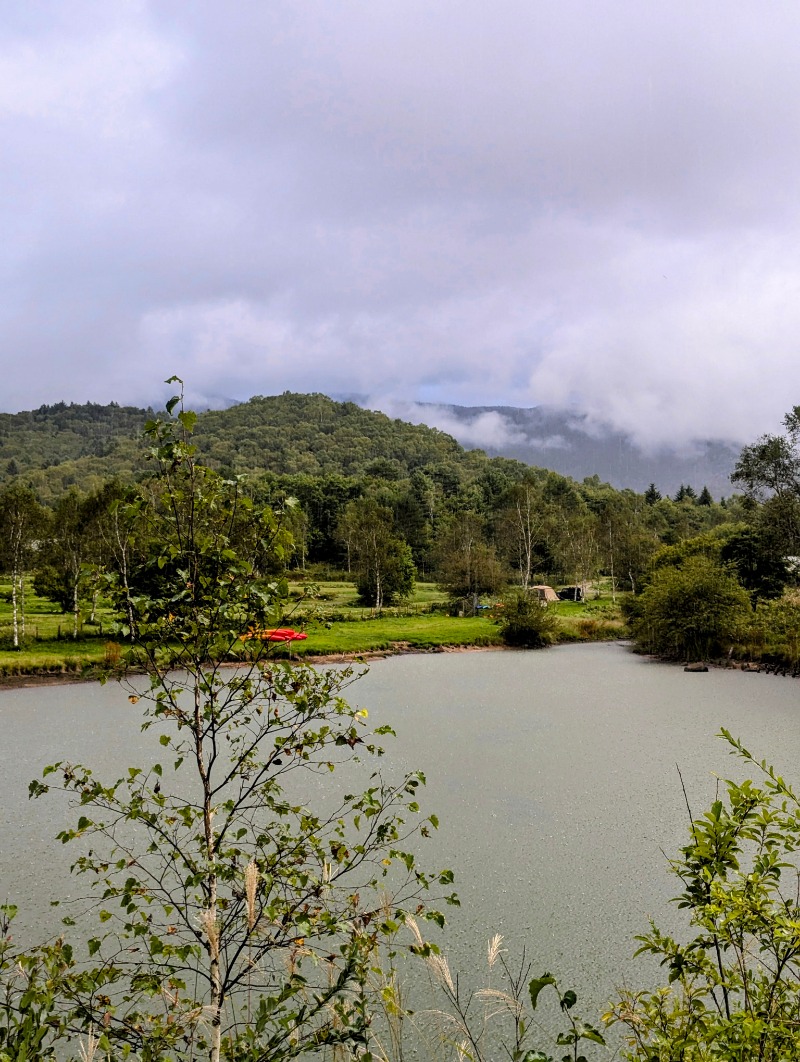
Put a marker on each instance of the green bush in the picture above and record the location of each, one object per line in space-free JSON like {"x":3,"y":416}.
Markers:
{"x":695,"y":611}
{"x":525,"y":622}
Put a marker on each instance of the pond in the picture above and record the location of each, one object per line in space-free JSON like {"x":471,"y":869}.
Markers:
{"x":553,"y":775}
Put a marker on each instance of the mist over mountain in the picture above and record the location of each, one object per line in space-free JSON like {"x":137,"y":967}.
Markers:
{"x":571,"y":443}
{"x":63,"y":445}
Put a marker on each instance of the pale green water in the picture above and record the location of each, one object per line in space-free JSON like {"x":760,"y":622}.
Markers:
{"x":553,"y":775}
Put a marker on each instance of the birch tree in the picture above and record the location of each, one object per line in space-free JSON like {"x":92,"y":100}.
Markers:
{"x":21,"y":520}
{"x":522,"y":524}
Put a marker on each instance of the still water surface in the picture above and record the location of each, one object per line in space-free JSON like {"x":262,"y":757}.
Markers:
{"x":553,"y":775}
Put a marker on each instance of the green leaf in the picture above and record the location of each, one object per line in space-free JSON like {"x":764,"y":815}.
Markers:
{"x":188,"y":419}
{"x":587,"y":1032}
{"x":536,"y":986}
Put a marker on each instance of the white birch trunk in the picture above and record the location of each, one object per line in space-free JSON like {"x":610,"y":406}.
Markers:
{"x":15,"y":607}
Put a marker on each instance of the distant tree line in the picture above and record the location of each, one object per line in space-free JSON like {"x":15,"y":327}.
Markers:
{"x":474,"y":533}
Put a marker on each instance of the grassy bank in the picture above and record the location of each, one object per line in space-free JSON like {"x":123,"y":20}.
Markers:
{"x":336,"y":624}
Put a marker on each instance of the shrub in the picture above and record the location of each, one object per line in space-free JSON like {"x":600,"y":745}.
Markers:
{"x":734,"y":988}
{"x":525,"y":622}
{"x":693,"y":612}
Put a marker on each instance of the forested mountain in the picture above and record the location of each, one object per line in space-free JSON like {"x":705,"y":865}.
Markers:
{"x":57,"y":447}
{"x":313,"y":434}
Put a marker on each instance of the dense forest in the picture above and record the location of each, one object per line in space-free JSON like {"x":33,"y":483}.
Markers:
{"x":382,"y":500}
{"x":56,"y":447}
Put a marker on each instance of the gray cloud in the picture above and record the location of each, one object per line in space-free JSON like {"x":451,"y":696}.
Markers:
{"x":574,"y":204}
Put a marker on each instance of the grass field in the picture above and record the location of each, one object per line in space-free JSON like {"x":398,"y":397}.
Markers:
{"x":397,"y":632}
{"x":335,"y":621}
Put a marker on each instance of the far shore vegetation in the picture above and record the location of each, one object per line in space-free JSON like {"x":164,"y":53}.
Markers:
{"x":400,"y":540}
{"x":334,"y":620}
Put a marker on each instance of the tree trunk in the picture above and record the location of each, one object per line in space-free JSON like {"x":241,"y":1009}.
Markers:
{"x":611,"y":558}
{"x":378,"y":589}
{"x":15,"y":607}
{"x":212,"y":929}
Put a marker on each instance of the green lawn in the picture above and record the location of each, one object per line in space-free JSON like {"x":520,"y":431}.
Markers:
{"x":339,"y":596}
{"x":43,"y":618}
{"x":593,"y":620}
{"x":414,"y":632}
{"x":47,"y":643}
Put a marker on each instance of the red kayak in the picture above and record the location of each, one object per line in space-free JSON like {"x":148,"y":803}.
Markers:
{"x":277,"y":634}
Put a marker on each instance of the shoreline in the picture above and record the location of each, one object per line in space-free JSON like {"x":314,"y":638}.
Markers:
{"x":32,"y":679}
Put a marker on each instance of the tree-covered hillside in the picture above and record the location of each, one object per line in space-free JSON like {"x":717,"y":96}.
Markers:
{"x":57,"y":447}
{"x":379,"y":498}
{"x":313,"y":434}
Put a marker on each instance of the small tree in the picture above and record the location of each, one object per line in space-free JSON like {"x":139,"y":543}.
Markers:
{"x":235,"y":920}
{"x":760,"y":568}
{"x":384,"y":566}
{"x":67,"y":553}
{"x":521,"y":527}
{"x":390,"y":581}
{"x":467,"y":565}
{"x":734,"y":986}
{"x":652,"y":494}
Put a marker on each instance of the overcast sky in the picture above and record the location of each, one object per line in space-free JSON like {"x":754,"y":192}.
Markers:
{"x":582,"y":203}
